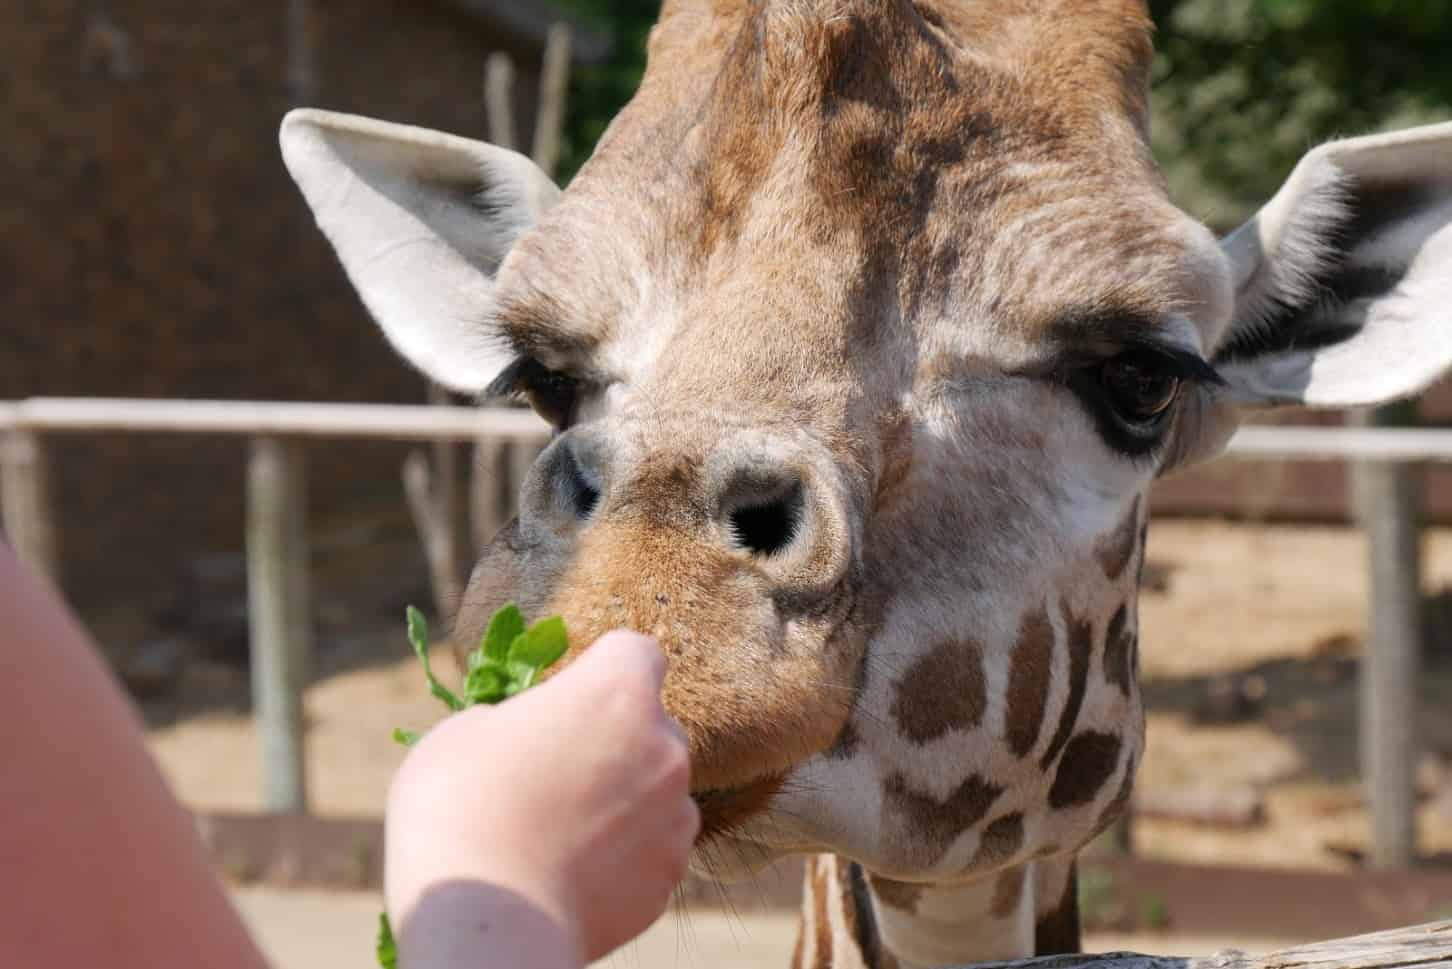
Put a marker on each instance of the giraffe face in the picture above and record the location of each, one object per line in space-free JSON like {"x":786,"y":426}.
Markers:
{"x":949,"y":400}
{"x":865,"y":330}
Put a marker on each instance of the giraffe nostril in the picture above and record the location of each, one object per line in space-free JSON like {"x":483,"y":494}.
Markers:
{"x":574,"y":488}
{"x":768,"y":527}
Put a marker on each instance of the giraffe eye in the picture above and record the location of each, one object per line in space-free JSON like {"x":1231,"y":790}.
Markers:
{"x":553,"y":395}
{"x":1140,"y":390}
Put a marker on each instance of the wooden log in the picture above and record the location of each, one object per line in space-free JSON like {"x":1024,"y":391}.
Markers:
{"x":435,"y":532}
{"x":1424,"y":946}
{"x":279,"y":615}
{"x":1387,"y":502}
{"x":431,"y":489}
{"x":302,"y":60}
{"x":554,"y":85}
{"x":489,"y":488}
{"x":498,"y":99}
{"x":25,"y":508}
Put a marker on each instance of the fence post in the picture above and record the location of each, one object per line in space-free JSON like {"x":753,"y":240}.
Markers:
{"x":279,"y":615}
{"x":25,"y":502}
{"x":1387,"y":505}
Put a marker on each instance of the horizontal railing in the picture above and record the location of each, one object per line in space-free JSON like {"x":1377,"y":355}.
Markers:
{"x":277,"y":549}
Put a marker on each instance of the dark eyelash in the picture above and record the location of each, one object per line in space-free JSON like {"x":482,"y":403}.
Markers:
{"x":1183,"y":364}
{"x":515,"y":378}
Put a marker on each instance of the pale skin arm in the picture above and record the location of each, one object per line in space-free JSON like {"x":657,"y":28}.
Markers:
{"x":102,"y":866}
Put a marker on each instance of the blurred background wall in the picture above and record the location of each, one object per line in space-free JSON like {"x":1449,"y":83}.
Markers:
{"x":151,"y":244}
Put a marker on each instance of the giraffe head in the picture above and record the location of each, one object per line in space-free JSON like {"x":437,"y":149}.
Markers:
{"x":865,"y":331}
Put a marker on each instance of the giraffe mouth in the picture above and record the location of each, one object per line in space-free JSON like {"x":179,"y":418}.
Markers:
{"x":724,"y":809}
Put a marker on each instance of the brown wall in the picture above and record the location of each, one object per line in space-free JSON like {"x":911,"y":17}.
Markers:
{"x":151,"y":245}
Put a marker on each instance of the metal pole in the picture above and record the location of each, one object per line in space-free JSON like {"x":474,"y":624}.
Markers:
{"x":25,"y":502}
{"x":279,"y":615}
{"x":1387,"y":501}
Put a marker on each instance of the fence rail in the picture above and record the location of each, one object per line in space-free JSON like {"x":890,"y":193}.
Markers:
{"x":277,"y":545}
{"x":403,"y":422}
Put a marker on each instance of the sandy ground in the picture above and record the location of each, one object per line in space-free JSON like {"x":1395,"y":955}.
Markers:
{"x":1279,"y":608}
{"x":331,"y":930}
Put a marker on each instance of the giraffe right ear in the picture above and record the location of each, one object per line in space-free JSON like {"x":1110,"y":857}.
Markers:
{"x":1343,"y":286}
{"x":421,"y":221}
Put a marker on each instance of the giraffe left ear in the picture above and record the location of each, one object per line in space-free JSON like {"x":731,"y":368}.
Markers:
{"x":1343,"y":285}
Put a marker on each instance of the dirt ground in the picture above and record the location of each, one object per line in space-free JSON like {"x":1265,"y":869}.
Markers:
{"x":334,"y":930}
{"x":1269,"y":617}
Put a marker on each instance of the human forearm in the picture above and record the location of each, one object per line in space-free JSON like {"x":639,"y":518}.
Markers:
{"x":113,"y":871}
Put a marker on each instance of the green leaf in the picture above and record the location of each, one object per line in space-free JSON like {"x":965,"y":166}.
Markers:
{"x":506,"y":625}
{"x":387,"y":950}
{"x":542,"y":644}
{"x":418,"y":635}
{"x":487,"y":683}
{"x":406,"y":737}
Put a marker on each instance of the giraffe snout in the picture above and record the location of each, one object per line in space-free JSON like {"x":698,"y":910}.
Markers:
{"x":771,"y":505}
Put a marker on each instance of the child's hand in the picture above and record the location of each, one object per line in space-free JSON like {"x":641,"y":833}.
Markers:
{"x":573,"y":795}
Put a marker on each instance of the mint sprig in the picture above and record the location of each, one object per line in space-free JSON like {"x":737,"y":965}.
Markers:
{"x":509,"y":660}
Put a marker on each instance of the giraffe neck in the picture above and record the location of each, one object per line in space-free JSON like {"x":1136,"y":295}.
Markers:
{"x":853,"y":920}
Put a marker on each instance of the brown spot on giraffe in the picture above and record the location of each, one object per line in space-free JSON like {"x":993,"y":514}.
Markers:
{"x":1119,"y":802}
{"x":1000,"y":841}
{"x":1028,"y":681}
{"x":1057,"y":931}
{"x":1088,"y":763}
{"x":1119,"y":643}
{"x":937,"y":822}
{"x":1117,"y":548}
{"x":900,"y":895}
{"x":1007,"y":891}
{"x":944,"y":690}
{"x":1078,"y":639}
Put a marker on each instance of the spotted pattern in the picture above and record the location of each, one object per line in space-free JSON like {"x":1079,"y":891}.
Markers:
{"x":1057,"y":930}
{"x":1079,"y":640}
{"x":1028,"y":681}
{"x":1001,"y":840}
{"x":1119,"y":649}
{"x":1089,"y":762}
{"x":1117,"y":548}
{"x":937,"y":822}
{"x":1007,"y":892}
{"x":943,"y":691}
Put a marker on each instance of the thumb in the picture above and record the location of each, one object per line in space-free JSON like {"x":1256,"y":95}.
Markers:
{"x":622,"y":653}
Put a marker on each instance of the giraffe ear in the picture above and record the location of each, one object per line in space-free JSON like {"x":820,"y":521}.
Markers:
{"x":1343,"y":285}
{"x":421,"y":221}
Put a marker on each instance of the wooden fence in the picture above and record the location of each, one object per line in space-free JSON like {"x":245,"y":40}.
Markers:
{"x":277,"y":546}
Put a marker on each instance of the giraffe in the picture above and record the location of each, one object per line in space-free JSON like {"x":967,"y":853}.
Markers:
{"x":864,"y":333}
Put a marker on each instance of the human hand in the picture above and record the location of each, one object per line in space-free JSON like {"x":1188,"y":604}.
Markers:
{"x":573,"y":796}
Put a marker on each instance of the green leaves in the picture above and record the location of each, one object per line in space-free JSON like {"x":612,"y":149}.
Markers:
{"x":418,"y":634}
{"x":508,"y":661}
{"x":506,"y":626}
{"x":387,"y":951}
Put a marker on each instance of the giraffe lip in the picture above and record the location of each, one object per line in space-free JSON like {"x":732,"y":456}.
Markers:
{"x":725,"y":808}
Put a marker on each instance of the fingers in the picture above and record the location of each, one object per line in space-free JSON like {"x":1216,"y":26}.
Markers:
{"x":627,"y":654}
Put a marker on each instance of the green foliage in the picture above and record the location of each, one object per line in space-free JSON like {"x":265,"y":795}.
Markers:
{"x":387,"y":950}
{"x":509,"y":659}
{"x":1241,"y":87}
{"x":598,"y":92}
